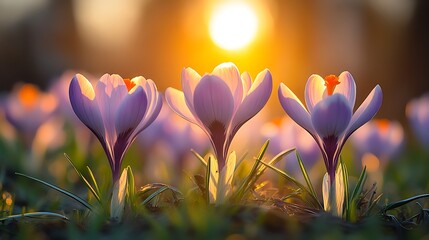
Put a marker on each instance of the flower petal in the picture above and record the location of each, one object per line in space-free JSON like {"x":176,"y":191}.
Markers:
{"x":247,"y":82}
{"x":190,"y":79}
{"x":82,"y":99}
{"x":229,"y":73}
{"x":154,"y":105}
{"x":130,"y":113}
{"x":295,"y":109}
{"x":213,"y":101}
{"x":314,"y":91}
{"x":347,"y":87}
{"x":331,"y":116}
{"x":366,"y":110}
{"x":176,"y":100}
{"x":257,"y":97}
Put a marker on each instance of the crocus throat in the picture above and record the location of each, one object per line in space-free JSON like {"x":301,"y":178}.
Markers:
{"x":129,"y":84}
{"x":331,"y":82}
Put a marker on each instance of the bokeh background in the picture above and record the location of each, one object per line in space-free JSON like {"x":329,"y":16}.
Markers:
{"x":382,"y":42}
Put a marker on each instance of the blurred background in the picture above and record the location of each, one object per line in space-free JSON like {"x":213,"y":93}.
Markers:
{"x":382,"y":42}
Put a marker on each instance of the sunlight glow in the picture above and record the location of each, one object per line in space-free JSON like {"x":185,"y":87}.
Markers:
{"x":233,"y":25}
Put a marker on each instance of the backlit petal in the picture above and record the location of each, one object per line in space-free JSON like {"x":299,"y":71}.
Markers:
{"x":213,"y":101}
{"x":130,"y":112}
{"x":347,"y":87}
{"x":176,"y":100}
{"x":366,"y":111}
{"x":229,"y":73}
{"x":190,"y":79}
{"x":247,"y":82}
{"x":295,"y":109}
{"x":257,"y":97}
{"x":331,"y":116}
{"x":314,"y":90}
{"x":82,"y":99}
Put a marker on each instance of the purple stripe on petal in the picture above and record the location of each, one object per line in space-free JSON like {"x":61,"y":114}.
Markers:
{"x":213,"y":101}
{"x":366,"y":110}
{"x":331,"y":116}
{"x":314,"y":91}
{"x":295,"y":109}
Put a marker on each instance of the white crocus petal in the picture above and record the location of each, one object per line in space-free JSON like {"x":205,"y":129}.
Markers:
{"x":213,"y":180}
{"x":326,"y":187}
{"x":347,"y":88}
{"x":314,"y":91}
{"x":190,"y":80}
{"x":176,"y":100}
{"x":229,"y":73}
{"x":213,"y":101}
{"x":255,"y":100}
{"x":130,"y":112}
{"x":331,"y":116}
{"x":117,"y":203}
{"x":154,"y":105}
{"x":247,"y":83}
{"x":82,"y":99}
{"x":295,"y":109}
{"x":225,"y":178}
{"x":366,"y":111}
{"x":339,"y":190}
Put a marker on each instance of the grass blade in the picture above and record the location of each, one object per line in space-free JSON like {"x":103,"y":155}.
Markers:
{"x":63,"y":191}
{"x":306,"y":177}
{"x":199,"y":157}
{"x":93,"y":181}
{"x":88,"y":185}
{"x":153,"y":195}
{"x":345,"y":173}
{"x":208,"y":171}
{"x":403,"y":202}
{"x":359,"y":185}
{"x":34,"y":215}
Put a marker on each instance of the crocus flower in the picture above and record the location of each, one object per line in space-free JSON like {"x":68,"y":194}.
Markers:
{"x":26,"y":108}
{"x":380,"y":137}
{"x":417,"y":111}
{"x":220,"y":102}
{"x":284,"y":134}
{"x":115,"y":110}
{"x":329,"y":114}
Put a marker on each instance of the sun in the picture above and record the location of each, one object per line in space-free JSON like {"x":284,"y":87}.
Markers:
{"x":233,"y":25}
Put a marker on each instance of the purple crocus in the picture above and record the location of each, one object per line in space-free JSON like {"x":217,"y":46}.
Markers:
{"x":329,"y":114}
{"x":417,"y":112}
{"x":220,"y":102}
{"x":115,"y":110}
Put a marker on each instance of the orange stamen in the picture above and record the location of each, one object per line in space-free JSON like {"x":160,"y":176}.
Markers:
{"x":129,"y":84}
{"x":28,"y":95}
{"x":331,"y":82}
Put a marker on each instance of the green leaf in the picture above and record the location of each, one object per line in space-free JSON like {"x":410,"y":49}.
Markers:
{"x":346,"y":187}
{"x":403,"y":202}
{"x":307,"y":178}
{"x":153,"y":195}
{"x":131,"y":185}
{"x":359,"y":186}
{"x":63,"y":191}
{"x":199,"y":157}
{"x":83,"y":179}
{"x":43,"y":215}
{"x":97,"y":189}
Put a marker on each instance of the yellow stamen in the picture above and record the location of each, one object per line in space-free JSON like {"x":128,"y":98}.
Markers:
{"x":130,"y":84}
{"x":331,"y":82}
{"x":28,"y":95}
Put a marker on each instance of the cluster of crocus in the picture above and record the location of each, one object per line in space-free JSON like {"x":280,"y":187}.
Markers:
{"x":285,"y":134}
{"x":380,"y":137}
{"x":220,"y":103}
{"x":417,"y":112}
{"x":115,"y":110}
{"x":330,"y":120}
